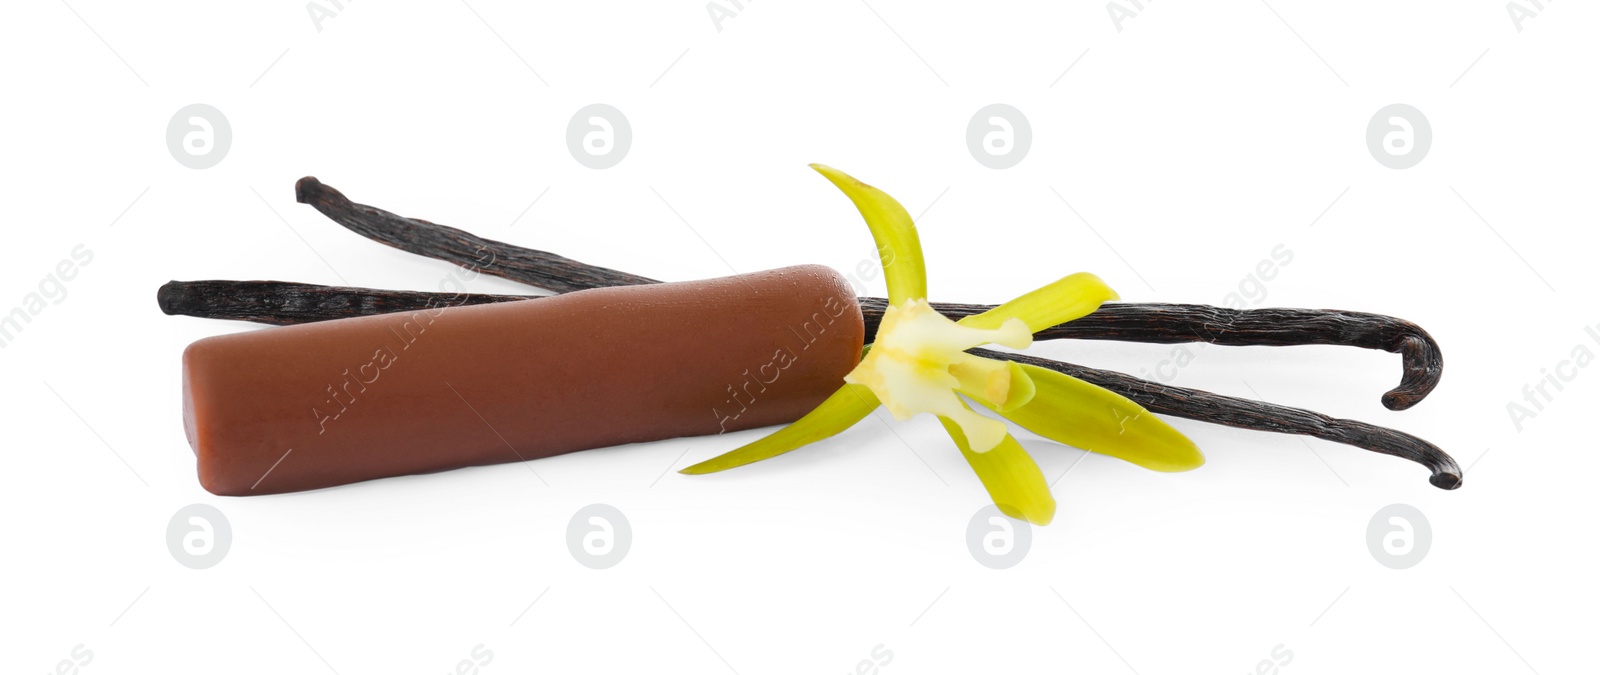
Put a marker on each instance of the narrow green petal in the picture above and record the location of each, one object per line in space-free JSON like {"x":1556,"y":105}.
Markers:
{"x":1068,"y":410}
{"x":1070,"y":297}
{"x":1010,"y":475}
{"x":850,"y":404}
{"x":892,"y":230}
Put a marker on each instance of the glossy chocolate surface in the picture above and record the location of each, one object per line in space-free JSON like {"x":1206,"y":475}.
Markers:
{"x":324,"y":404}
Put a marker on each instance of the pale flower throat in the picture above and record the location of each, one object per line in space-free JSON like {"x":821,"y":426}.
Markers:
{"x":919,"y":362}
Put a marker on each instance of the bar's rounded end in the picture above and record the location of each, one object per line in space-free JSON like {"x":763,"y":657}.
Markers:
{"x":1445,"y":481}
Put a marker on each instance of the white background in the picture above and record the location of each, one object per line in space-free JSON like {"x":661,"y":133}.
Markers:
{"x":1190,"y":142}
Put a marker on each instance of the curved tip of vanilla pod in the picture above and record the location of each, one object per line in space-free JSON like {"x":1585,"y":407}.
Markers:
{"x":1424,"y":365}
{"x":1421,"y":359}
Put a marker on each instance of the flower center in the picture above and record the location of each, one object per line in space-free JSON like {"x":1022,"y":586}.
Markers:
{"x":919,"y":362}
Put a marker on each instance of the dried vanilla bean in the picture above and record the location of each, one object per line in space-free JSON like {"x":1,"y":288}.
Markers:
{"x":1204,"y":406}
{"x":442,"y":242}
{"x":285,"y":303}
{"x":1422,"y":363}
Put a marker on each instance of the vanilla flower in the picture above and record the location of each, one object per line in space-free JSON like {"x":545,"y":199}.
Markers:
{"x":918,"y":364}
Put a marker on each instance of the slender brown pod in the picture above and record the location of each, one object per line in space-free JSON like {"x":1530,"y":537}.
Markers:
{"x":529,"y":266}
{"x":1204,"y":406}
{"x":1166,"y":323}
{"x":286,"y":303}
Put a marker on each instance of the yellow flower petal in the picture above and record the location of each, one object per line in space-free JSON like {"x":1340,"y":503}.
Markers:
{"x":1010,"y":475}
{"x":1018,"y":386}
{"x":892,"y":230}
{"x":1001,"y":384}
{"x":978,"y":377}
{"x":1070,"y":297}
{"x":979,"y":434}
{"x":1068,"y":410}
{"x":850,"y":404}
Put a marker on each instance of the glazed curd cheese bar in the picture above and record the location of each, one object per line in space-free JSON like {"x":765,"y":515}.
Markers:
{"x":336,"y":402}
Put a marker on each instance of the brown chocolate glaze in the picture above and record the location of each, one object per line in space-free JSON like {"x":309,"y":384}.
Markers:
{"x":435,"y":389}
